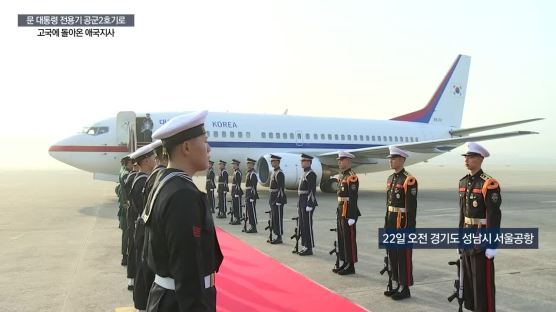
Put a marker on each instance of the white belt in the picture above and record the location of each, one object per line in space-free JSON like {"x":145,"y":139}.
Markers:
{"x":475,"y":221}
{"x":396,"y":209}
{"x":248,"y":187}
{"x":343,"y":199}
{"x":302,"y":192}
{"x":169,"y":283}
{"x":274,"y":190}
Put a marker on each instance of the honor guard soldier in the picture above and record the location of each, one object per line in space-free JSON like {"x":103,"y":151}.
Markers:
{"x":222,"y":190}
{"x":144,"y":158}
{"x":237,"y":193}
{"x":251,"y":195}
{"x":211,"y":186}
{"x":306,"y":205}
{"x":277,"y":199}
{"x":182,"y":248}
{"x":127,"y":166}
{"x":479,"y":201}
{"x":145,"y":276}
{"x":401,"y":211}
{"x":130,"y":223}
{"x":347,"y":214}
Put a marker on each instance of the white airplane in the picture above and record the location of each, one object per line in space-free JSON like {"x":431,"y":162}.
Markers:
{"x":426,"y":133}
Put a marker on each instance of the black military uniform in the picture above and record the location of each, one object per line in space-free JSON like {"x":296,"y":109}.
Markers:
{"x":401,"y":211}
{"x":347,"y":209}
{"x":237,"y":195}
{"x":307,"y":201}
{"x":251,"y":196}
{"x":479,"y":203}
{"x":182,"y":248}
{"x":277,"y":201}
{"x":222,"y":190}
{"x":145,"y":276}
{"x":123,"y":202}
{"x":130,"y":216}
{"x":210,"y":187}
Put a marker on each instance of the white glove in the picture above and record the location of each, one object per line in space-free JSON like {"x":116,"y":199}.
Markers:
{"x":252,"y":200}
{"x":277,"y":204}
{"x":308,"y":209}
{"x":490,"y":253}
{"x":236,"y":195}
{"x":351,"y":222}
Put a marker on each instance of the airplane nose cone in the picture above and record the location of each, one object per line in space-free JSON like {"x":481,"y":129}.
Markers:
{"x":60,"y":149}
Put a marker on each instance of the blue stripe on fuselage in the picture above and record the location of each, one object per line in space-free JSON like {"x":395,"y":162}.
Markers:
{"x":290,"y":145}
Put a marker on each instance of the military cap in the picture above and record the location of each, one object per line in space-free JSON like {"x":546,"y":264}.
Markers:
{"x":306,"y":157}
{"x":142,"y":152}
{"x":394,"y":151}
{"x":343,"y":154}
{"x":474,"y":149}
{"x":250,"y":160}
{"x":275,"y":157}
{"x":235,"y":161}
{"x":181,"y":128}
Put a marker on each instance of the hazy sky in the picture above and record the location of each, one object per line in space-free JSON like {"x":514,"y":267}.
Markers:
{"x":364,"y":59}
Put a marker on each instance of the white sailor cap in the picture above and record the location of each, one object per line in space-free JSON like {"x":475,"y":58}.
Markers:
{"x":142,"y":152}
{"x":343,"y":154}
{"x":181,"y":128}
{"x":476,"y":149}
{"x":394,"y":151}
{"x":156,"y":147}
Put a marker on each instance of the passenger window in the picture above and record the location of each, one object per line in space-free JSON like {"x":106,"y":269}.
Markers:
{"x":215,"y":134}
{"x":284,"y":136}
{"x":240,"y":134}
{"x":349,"y":137}
{"x":330,"y":137}
{"x":315,"y":136}
{"x":248,"y":134}
{"x":307,"y":136}
{"x":299,"y":136}
{"x":271,"y":135}
{"x":336,"y":137}
{"x":277,"y":135}
{"x":291,"y":136}
{"x":373,"y":138}
{"x":263,"y":135}
{"x":379,"y":138}
{"x":232,"y":134}
{"x":223,"y":134}
{"x":343,"y":137}
{"x":322,"y":136}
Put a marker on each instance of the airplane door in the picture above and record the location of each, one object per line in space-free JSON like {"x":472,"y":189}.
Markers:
{"x":298,"y":138}
{"x":125,"y":125}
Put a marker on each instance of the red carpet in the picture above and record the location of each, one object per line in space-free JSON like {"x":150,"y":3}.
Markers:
{"x":249,"y":280}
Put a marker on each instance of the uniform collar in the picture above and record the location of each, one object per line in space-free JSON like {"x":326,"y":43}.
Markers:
{"x":307,"y":169}
{"x":476,"y":175}
{"x":347,"y":171}
{"x":277,"y":168}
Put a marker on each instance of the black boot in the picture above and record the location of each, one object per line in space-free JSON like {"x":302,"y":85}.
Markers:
{"x":389,"y":293}
{"x":404,"y":293}
{"x":252,"y":230}
{"x":338,"y":269}
{"x":349,"y":269}
{"x":277,"y":240}
{"x":305,"y":252}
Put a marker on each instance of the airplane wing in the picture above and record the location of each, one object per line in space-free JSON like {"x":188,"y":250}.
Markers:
{"x":467,"y":131}
{"x":369,"y":155}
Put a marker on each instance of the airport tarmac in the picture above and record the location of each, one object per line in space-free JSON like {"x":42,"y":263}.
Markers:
{"x":60,"y":244}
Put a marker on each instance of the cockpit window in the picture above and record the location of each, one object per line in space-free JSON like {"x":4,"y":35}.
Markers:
{"x":95,"y":130}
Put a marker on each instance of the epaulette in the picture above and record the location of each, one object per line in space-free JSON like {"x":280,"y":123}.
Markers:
{"x":485,"y":176}
{"x":407,"y":174}
{"x":465,"y":176}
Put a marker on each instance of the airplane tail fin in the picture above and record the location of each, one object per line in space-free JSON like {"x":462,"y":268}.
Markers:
{"x":446,"y":105}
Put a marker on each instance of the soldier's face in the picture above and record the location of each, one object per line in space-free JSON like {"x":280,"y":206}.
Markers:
{"x":344,"y":163}
{"x":305,"y":164}
{"x":275,"y":163}
{"x":199,"y":152}
{"x":234,"y":166}
{"x":250,"y":166}
{"x":221,"y":166}
{"x":473,"y":162}
{"x":128,"y":165}
{"x":396,"y":162}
